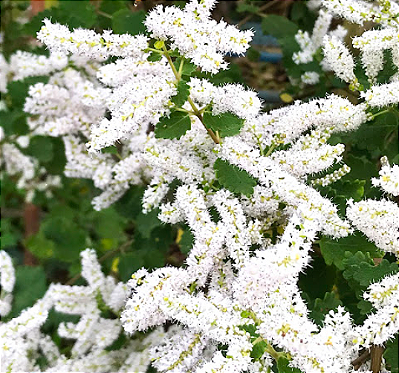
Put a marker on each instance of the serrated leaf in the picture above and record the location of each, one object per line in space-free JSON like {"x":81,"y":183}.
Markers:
{"x":333,"y":251}
{"x":258,"y":350}
{"x":233,"y":178}
{"x":278,"y":26}
{"x":188,"y":67}
{"x":174,"y":126}
{"x":367,"y":273}
{"x":360,"y":268}
{"x":183,"y":90}
{"x":125,"y":21}
{"x":227,"y":124}
{"x":321,"y":307}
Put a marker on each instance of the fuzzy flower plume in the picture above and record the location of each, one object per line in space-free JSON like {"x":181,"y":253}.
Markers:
{"x":90,"y":44}
{"x":198,"y":37}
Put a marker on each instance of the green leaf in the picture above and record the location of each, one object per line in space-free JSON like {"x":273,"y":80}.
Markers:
{"x":14,"y":122}
{"x":145,"y":223}
{"x":130,"y":263}
{"x":173,"y":127}
{"x":227,"y":124}
{"x":278,"y":26}
{"x":79,"y":13}
{"x":365,"y":273}
{"x":258,"y":350}
{"x":233,"y":178}
{"x":360,"y":271}
{"x":41,"y":148}
{"x":9,"y":235}
{"x":323,"y":306}
{"x":244,"y":7}
{"x":283,"y":366}
{"x":188,"y":67}
{"x":183,"y":90}
{"x":125,"y":21}
{"x":69,"y":239}
{"x":30,"y":285}
{"x":153,"y":57}
{"x":186,"y":241}
{"x":18,"y":90}
{"x":130,"y":204}
{"x":391,"y":355}
{"x":40,"y":246}
{"x":333,"y":251}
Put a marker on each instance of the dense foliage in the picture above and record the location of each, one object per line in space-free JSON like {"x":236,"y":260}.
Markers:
{"x":160,"y":215}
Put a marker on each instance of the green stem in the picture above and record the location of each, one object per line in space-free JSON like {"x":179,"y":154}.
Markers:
{"x":196,"y":111}
{"x":270,"y":151}
{"x":381,"y":113}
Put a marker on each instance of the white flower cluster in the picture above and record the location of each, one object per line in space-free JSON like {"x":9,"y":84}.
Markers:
{"x":22,"y":340}
{"x":389,"y":177}
{"x":384,"y":323}
{"x":198,"y":37}
{"x":7,"y":282}
{"x":247,"y":255}
{"x":310,"y":44}
{"x":90,"y":44}
{"x":378,"y":220}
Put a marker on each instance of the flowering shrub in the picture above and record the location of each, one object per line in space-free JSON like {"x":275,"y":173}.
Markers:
{"x":263,"y":200}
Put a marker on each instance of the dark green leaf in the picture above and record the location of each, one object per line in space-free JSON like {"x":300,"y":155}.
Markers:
{"x":321,"y":307}
{"x":227,"y":124}
{"x":173,"y":127}
{"x":145,"y":223}
{"x":183,"y":90}
{"x":361,"y":269}
{"x":18,"y":90}
{"x":278,"y":26}
{"x":69,"y":239}
{"x":186,"y":241}
{"x":130,"y":263}
{"x":130,"y":204}
{"x":391,"y":355}
{"x":30,"y":285}
{"x":9,"y":235}
{"x":125,"y":21}
{"x":41,"y":147}
{"x":233,"y":178}
{"x":333,"y":251}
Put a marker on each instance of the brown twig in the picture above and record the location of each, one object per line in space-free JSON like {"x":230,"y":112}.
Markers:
{"x":376,"y":358}
{"x":358,"y":362}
